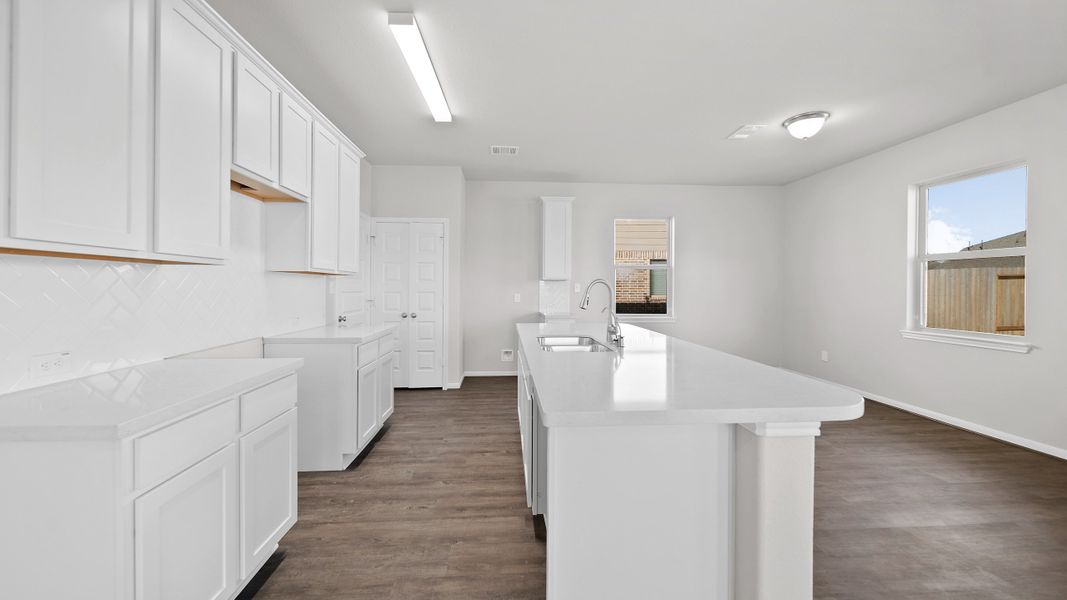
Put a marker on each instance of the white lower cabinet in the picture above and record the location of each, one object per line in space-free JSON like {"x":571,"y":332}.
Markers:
{"x":268,"y":489}
{"x":186,"y":533}
{"x":188,"y":508}
{"x":534,"y":438}
{"x":348,"y":391}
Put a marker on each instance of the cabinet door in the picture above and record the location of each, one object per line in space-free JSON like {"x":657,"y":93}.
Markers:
{"x":325,"y":160}
{"x":385,"y":388}
{"x":268,"y":488}
{"x":368,"y":402}
{"x":256,"y":121}
{"x":555,"y":239}
{"x":296,"y":128}
{"x":193,"y":129}
{"x":348,"y":233}
{"x":80,"y":122}
{"x":186,"y":533}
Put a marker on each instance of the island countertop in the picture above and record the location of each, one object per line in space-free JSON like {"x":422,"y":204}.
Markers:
{"x":123,"y":403}
{"x":657,"y":379}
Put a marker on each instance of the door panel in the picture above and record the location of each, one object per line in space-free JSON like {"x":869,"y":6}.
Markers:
{"x":295,"y":168}
{"x":368,"y":402}
{"x":256,"y":119}
{"x":80,"y":122}
{"x":385,"y":388}
{"x":391,"y":280}
{"x":348,"y":212}
{"x":268,"y":488}
{"x":193,"y":133}
{"x":426,"y":334}
{"x":325,"y":159}
{"x":186,"y":533}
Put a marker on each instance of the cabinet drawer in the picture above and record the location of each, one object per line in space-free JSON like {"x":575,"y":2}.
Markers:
{"x":386,"y":345}
{"x":164,"y":453}
{"x":263,"y":404}
{"x":367,"y":353}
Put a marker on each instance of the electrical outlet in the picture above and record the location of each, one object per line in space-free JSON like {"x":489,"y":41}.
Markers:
{"x":518,"y":298}
{"x":825,"y":356}
{"x":507,"y":355}
{"x":577,"y":288}
{"x":45,"y":365}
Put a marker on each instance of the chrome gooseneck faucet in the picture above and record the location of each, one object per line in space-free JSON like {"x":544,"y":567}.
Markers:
{"x":614,"y":329}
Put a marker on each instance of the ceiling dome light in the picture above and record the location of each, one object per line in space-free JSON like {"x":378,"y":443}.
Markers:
{"x":806,"y":125}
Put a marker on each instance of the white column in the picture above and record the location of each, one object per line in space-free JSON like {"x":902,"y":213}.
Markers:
{"x":774,"y":511}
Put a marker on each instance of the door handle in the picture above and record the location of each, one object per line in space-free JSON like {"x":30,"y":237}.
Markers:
{"x":403,"y":315}
{"x":413,"y":315}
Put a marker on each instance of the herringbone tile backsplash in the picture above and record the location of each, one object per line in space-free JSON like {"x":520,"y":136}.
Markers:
{"x":114,"y":314}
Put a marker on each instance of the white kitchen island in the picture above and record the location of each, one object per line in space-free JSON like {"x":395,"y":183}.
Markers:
{"x":665,"y":469}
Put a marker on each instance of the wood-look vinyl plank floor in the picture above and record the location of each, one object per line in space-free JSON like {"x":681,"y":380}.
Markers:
{"x":905,"y":508}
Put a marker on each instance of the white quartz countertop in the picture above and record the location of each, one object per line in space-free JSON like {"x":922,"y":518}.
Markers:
{"x":658,"y":379}
{"x":332,"y":334}
{"x":126,"y":402}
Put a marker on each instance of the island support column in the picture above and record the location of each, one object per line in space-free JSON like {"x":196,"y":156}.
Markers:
{"x":774,"y":511}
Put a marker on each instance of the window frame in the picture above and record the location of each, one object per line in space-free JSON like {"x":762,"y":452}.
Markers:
{"x":668,"y":266}
{"x":918,"y":259}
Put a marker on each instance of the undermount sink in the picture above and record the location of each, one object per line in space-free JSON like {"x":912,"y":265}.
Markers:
{"x":571,"y":343}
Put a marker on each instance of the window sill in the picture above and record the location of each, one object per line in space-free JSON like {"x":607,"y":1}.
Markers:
{"x":989,"y":341}
{"x":646,"y":318}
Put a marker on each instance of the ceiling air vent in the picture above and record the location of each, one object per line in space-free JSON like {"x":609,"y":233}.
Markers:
{"x":503,"y":150}
{"x":744,"y":131}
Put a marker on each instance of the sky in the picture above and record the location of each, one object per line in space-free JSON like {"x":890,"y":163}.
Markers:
{"x":975,"y":210}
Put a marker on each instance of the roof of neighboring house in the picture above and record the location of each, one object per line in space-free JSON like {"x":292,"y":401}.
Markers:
{"x":1013,"y":240}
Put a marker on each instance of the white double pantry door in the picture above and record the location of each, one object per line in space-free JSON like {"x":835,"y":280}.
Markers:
{"x":408,"y":270}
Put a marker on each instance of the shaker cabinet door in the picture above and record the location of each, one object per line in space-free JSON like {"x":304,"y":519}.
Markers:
{"x":186,"y":531}
{"x":368,"y":402}
{"x":80,"y":122}
{"x":268,"y":488}
{"x":325,"y":160}
{"x":193,"y":131}
{"x":295,"y":168}
{"x":348,"y":212}
{"x":256,"y":120}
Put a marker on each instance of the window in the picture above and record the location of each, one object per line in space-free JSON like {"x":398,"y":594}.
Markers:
{"x":643,"y":268}
{"x":969,"y":273}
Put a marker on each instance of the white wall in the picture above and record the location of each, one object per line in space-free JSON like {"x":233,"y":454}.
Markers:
{"x":845,"y":276}
{"x":413,"y":191}
{"x":728,"y":246}
{"x":114,"y":314}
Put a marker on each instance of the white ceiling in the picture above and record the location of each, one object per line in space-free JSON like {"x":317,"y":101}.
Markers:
{"x":644,"y":91}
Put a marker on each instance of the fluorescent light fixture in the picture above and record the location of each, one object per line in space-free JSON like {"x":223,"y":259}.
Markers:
{"x":806,"y":125}
{"x":409,"y":38}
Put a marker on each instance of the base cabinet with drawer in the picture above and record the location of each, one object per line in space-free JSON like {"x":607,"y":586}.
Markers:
{"x":189,"y":509}
{"x":346,"y":390}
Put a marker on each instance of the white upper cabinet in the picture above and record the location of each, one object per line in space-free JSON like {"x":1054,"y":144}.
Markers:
{"x":80,"y":122}
{"x":556,"y":238}
{"x":325,"y":175}
{"x":256,"y":109}
{"x":348,"y":233}
{"x":296,"y":129}
{"x":193,"y":129}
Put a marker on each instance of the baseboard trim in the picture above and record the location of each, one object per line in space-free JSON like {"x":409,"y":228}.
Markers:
{"x":933,"y":415}
{"x":490,"y":373}
{"x":455,"y":386}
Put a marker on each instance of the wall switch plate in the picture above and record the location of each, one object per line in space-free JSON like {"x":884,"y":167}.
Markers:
{"x":518,"y":298}
{"x":577,"y":288}
{"x":825,"y":356}
{"x":44,"y":365}
{"x":507,"y":355}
